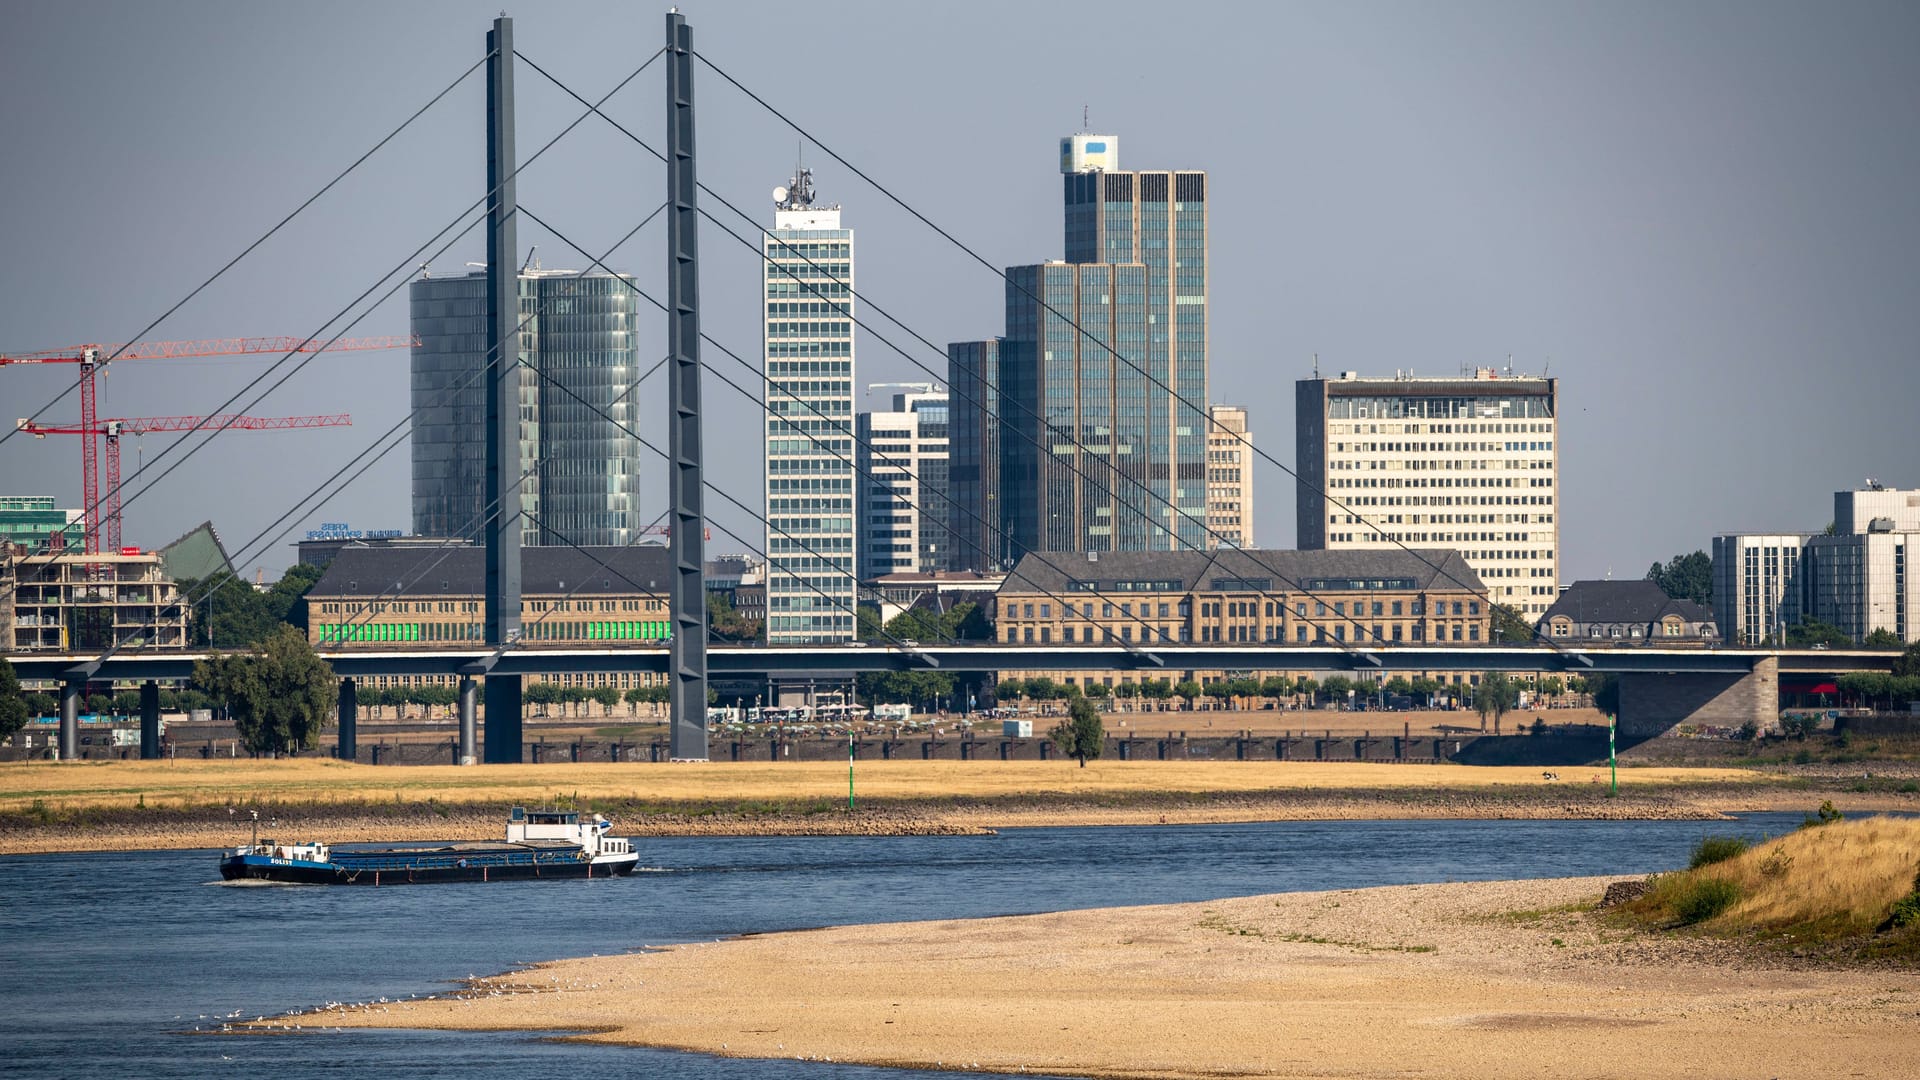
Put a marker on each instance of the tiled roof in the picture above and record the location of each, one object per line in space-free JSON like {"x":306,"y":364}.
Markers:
{"x":1430,"y":569}
{"x":460,"y":571}
{"x":1622,"y":602}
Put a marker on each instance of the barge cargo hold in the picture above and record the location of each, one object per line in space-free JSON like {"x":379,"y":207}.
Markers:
{"x":539,"y":844}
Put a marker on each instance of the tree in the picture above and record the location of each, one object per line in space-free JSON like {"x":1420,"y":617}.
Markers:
{"x":1275,"y":687}
{"x":1399,"y":686}
{"x":571,"y":696}
{"x":1510,"y":626}
{"x":606,"y":697}
{"x":1496,"y":694}
{"x":1685,"y":577}
{"x":1009,"y":690}
{"x":41,"y":704}
{"x":1551,"y":686}
{"x":1426,"y":688}
{"x":1042,"y":689}
{"x":279,"y":694}
{"x":1882,"y":638}
{"x":541,"y":694}
{"x":727,"y":624}
{"x":1080,"y":735}
{"x":1812,"y":633}
{"x":13,"y":704}
{"x":286,"y":601}
{"x":1335,"y":688}
{"x":1187,"y":691}
{"x":222,"y":610}
{"x":1909,"y":662}
{"x":1307,"y":688}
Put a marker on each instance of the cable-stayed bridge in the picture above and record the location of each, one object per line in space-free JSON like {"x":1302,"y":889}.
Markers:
{"x":497,"y":666}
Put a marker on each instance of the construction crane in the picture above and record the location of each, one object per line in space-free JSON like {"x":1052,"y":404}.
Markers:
{"x":104,"y":531}
{"x":92,"y":359}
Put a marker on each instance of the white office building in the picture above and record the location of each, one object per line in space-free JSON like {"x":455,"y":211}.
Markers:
{"x":1229,"y":477}
{"x":1756,"y":585}
{"x":1858,"y":575}
{"x":903,"y":483}
{"x":809,"y":441}
{"x":1469,"y":462}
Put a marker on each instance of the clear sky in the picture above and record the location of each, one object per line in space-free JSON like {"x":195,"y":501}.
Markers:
{"x":1701,"y":217}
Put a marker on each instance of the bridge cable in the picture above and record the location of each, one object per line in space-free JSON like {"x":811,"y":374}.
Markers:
{"x":1484,"y":589}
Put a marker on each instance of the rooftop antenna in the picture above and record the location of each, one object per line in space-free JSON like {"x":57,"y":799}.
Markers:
{"x":529,"y":262}
{"x":1085,"y":124}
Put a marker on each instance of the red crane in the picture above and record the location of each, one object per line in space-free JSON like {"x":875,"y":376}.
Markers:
{"x":92,"y":358}
{"x":104,"y":531}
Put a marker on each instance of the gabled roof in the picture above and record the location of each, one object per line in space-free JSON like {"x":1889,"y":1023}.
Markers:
{"x":1622,"y":602}
{"x":1433,"y":569}
{"x":460,"y":571}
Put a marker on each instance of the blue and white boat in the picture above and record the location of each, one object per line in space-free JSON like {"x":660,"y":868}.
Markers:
{"x":539,"y":844}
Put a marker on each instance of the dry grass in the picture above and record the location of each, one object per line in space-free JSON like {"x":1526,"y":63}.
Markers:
{"x":186,"y":785}
{"x":1827,"y":885}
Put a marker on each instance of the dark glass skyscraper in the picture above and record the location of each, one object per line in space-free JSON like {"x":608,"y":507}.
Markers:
{"x":1104,"y":367}
{"x":576,"y":397}
{"x":976,"y":541}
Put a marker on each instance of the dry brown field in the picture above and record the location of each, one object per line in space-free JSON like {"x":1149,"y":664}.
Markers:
{"x":321,"y":781}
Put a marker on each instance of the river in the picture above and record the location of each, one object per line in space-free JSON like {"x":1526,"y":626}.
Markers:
{"x":109,"y":962}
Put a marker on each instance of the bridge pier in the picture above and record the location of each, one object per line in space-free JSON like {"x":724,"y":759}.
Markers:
{"x":70,"y":693}
{"x":1651,"y":704}
{"x":149,"y":720}
{"x":349,"y":721}
{"x":469,"y":709}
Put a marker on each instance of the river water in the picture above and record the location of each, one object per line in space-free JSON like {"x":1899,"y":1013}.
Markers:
{"x":108,"y":962}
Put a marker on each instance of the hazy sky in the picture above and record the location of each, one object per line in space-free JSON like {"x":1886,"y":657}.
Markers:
{"x":1702,"y":216}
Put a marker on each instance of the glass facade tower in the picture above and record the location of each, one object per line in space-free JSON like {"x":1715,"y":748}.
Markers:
{"x":577,"y":407}
{"x":809,"y":435}
{"x":1104,"y":367}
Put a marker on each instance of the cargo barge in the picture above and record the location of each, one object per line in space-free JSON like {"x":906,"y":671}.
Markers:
{"x":539,"y":844}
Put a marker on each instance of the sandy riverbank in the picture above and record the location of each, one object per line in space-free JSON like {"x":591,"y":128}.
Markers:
{"x":155,"y":805}
{"x":1485,"y":979}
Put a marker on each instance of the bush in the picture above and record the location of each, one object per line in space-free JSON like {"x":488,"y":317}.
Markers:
{"x":1705,"y":898}
{"x":1713,"y":849}
{"x":1826,"y":815}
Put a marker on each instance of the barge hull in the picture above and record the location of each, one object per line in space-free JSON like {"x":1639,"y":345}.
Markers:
{"x":304,"y":873}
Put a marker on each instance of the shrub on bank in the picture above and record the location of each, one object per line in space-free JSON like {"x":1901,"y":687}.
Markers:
{"x":1704,"y":898}
{"x":1716,"y":849}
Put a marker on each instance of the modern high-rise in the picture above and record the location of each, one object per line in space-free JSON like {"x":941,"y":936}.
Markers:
{"x":811,"y":482}
{"x":1756,"y":585}
{"x":1857,"y":575}
{"x":1229,"y":477}
{"x":902,"y":453}
{"x":578,"y":409}
{"x":974,"y":524}
{"x":1469,"y":462}
{"x":1104,"y":366}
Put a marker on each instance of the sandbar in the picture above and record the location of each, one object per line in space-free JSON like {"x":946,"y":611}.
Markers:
{"x":1482,"y":979}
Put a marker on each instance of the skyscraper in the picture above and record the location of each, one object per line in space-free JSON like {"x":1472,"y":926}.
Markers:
{"x":1229,"y":477}
{"x":1100,"y":349}
{"x":809,"y":437}
{"x":577,"y":407}
{"x":903,"y":484}
{"x":977,"y":539}
{"x":1468,"y":462}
